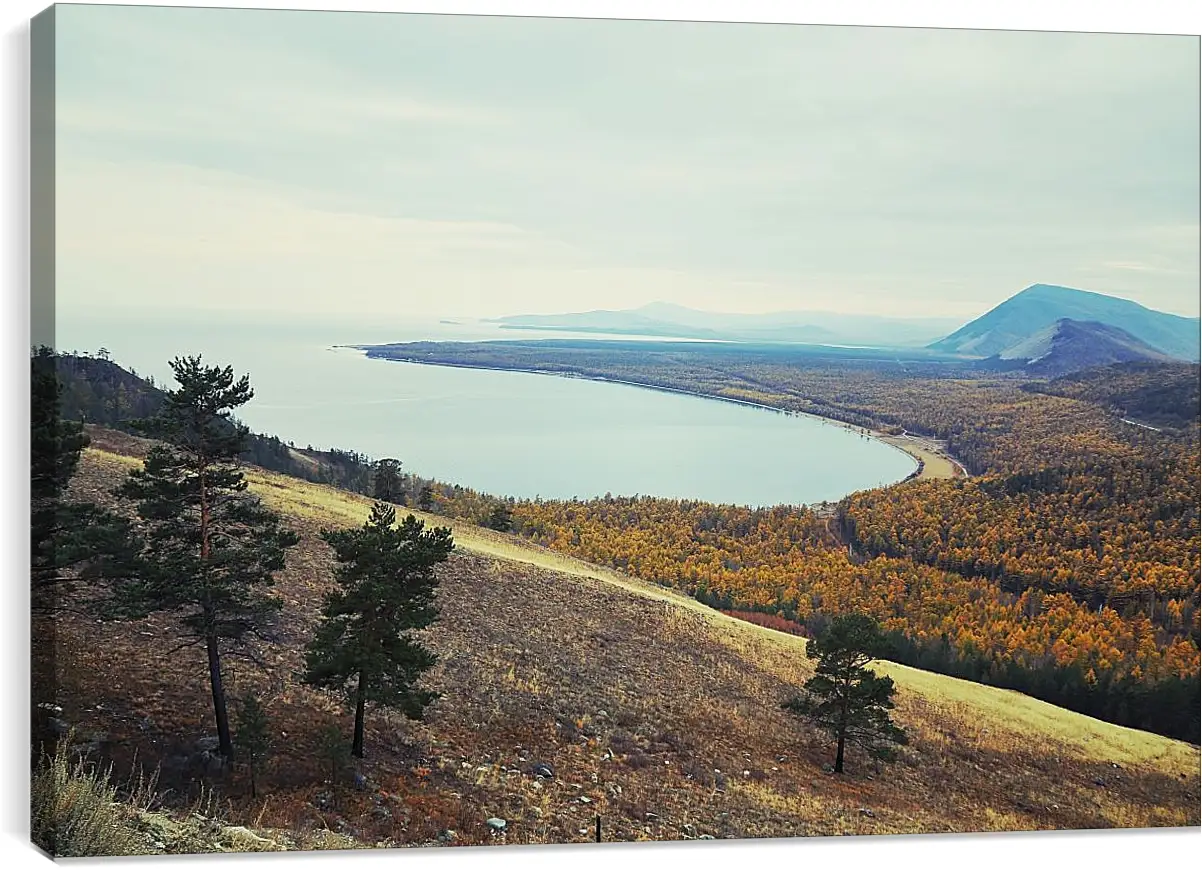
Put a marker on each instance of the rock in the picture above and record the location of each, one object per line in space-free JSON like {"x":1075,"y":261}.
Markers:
{"x":241,"y":839}
{"x":59,"y":727}
{"x":359,"y":781}
{"x":447,"y":836}
{"x":585,"y":799}
{"x":207,"y":744}
{"x":498,"y":825}
{"x":864,"y":811}
{"x":322,"y":800}
{"x":651,"y":817}
{"x":1100,"y":782}
{"x":210,"y":763}
{"x":382,"y":813}
{"x":706,"y":837}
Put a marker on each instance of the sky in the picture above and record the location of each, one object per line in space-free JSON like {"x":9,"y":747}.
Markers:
{"x":427,"y":165}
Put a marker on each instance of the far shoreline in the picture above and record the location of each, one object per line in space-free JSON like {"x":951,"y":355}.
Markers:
{"x":934,"y":464}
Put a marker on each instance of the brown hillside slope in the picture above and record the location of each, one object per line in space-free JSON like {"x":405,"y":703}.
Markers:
{"x":657,"y":713}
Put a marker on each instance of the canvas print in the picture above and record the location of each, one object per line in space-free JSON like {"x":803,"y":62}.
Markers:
{"x":475,"y":431}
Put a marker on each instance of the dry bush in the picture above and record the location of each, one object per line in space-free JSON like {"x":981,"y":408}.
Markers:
{"x":75,"y":810}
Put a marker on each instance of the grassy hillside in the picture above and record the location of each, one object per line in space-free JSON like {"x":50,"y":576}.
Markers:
{"x":657,"y":713}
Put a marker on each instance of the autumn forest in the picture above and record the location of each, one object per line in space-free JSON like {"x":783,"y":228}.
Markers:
{"x":1065,"y":565}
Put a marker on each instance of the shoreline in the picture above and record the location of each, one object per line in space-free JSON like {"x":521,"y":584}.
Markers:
{"x":923,"y":455}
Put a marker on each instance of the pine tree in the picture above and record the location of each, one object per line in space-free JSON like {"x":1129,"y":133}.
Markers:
{"x":387,"y":484}
{"x":69,"y":541}
{"x":425,"y":498}
{"x":212,"y":548}
{"x":844,"y":697}
{"x":386,"y":590}
{"x":252,"y":736}
{"x":500,"y":519}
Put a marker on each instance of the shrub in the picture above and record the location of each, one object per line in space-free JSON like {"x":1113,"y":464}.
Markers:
{"x":75,"y":811}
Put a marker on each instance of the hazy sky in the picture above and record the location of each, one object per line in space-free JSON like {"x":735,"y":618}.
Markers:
{"x":480,"y":166}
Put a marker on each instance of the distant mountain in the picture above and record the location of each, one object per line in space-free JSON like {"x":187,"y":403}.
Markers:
{"x":666,"y":320}
{"x":1021,"y":317}
{"x":1072,"y":345}
{"x":610,"y":322}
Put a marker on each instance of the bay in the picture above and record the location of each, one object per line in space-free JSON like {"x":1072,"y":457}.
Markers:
{"x":505,"y":433}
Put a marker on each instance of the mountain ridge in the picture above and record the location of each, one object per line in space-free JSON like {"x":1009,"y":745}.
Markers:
{"x":1071,"y":345}
{"x":669,"y":320}
{"x":1040,"y":306}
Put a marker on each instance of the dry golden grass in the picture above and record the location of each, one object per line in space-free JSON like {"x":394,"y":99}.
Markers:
{"x":659,"y":714}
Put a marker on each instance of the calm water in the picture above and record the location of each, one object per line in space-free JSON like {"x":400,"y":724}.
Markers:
{"x":506,"y":433}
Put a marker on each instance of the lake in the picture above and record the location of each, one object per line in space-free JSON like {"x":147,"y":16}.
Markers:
{"x":505,"y":433}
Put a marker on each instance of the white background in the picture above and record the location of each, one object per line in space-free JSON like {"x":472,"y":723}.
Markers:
{"x":1127,"y":849}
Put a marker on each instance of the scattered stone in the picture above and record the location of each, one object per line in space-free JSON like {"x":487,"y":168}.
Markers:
{"x":381,"y":812}
{"x":826,"y":768}
{"x":747,"y":773}
{"x":59,"y":727}
{"x":781,"y":759}
{"x":706,"y":837}
{"x":207,"y":744}
{"x":323,"y":800}
{"x":651,"y":817}
{"x":1100,"y":782}
{"x":585,"y":799}
{"x":447,"y":836}
{"x":542,"y":770}
{"x":864,"y":811}
{"x":498,"y":825}
{"x":359,"y":781}
{"x":240,"y":839}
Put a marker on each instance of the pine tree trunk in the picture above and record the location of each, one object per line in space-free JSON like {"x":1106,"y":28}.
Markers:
{"x":839,"y":754}
{"x":360,"y":704}
{"x":223,"y":720}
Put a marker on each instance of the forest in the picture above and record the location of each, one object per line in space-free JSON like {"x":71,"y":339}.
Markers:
{"x":1066,"y":566}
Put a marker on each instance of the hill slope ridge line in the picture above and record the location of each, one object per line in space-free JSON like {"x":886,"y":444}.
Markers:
{"x":1083,"y":735}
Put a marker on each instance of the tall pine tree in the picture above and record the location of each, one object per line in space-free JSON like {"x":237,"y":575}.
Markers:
{"x":363,"y":645}
{"x":212,"y":548}
{"x":844,"y":697}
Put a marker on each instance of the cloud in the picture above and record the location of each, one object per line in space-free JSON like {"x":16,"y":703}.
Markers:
{"x":566,"y":163}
